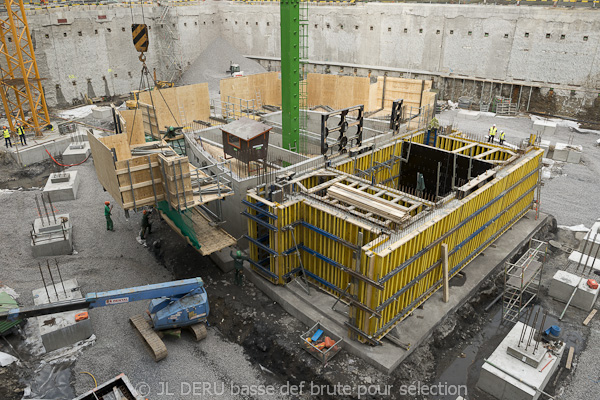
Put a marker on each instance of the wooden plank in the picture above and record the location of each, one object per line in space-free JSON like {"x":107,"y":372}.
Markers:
{"x":194,"y":99}
{"x":485,"y":154}
{"x":211,"y":238}
{"x":589,"y":317}
{"x":325,"y":185}
{"x":359,"y":192}
{"x":105,"y":168}
{"x":365,"y":203}
{"x":570,"y":358}
{"x":461,"y":149}
{"x":122,"y":171}
{"x":139,"y":185}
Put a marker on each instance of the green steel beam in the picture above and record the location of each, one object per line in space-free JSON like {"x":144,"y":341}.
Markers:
{"x":290,"y":73}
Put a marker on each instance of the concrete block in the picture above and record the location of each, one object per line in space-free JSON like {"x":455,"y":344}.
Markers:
{"x":62,"y":186}
{"x":544,"y":127}
{"x":101,"y":112}
{"x":467,"y":114}
{"x":495,"y":381}
{"x":562,"y":286}
{"x":50,"y":238}
{"x":577,"y":257}
{"x":590,"y":245}
{"x":567,"y":153}
{"x":76,"y":153}
{"x":223,"y":259}
{"x":545,"y":145}
{"x":61,"y":330}
{"x":34,"y":153}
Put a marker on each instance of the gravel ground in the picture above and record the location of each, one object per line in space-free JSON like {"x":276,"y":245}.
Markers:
{"x":586,"y":379}
{"x":571,"y":195}
{"x":114,"y":260}
{"x":210,"y":66}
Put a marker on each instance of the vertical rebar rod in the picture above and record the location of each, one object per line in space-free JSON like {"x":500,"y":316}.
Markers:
{"x":60,"y":276}
{"x":470,"y":164}
{"x":532,"y":329}
{"x":44,"y":281}
{"x":595,"y":256}
{"x":522,"y":336}
{"x":37,"y":203}
{"x":46,"y":210}
{"x":583,"y":252}
{"x":51,"y":207}
{"x":52,"y":279}
{"x":454,"y":172}
{"x":539,"y":333}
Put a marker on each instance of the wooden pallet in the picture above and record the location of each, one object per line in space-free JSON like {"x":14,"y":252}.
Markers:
{"x":154,"y":342}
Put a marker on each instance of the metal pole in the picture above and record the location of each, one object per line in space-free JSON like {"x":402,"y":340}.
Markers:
{"x":60,"y":276}
{"x":45,"y":209}
{"x":52,"y":279}
{"x":51,"y":206}
{"x":529,"y":99}
{"x":532,"y":329}
{"x":44,"y":280}
{"x":470,"y":164}
{"x":539,"y":332}
{"x":454,"y":171}
{"x":37,"y":203}
{"x":437,"y":186}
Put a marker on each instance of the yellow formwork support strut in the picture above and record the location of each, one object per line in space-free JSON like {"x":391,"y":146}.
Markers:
{"x":21,"y":89}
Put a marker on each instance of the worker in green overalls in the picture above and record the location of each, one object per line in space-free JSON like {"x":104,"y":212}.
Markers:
{"x":238,"y":262}
{"x":107,"y":214}
{"x":146,"y":225}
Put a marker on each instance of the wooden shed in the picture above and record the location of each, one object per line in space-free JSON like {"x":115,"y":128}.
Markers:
{"x":246,"y":140}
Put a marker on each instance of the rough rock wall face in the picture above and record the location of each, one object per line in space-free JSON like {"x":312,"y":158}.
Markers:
{"x":92,"y":53}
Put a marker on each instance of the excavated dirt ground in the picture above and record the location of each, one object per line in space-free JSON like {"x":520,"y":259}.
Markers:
{"x":453,"y":354}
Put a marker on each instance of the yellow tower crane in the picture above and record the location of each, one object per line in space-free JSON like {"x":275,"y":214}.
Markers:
{"x":20,"y":83}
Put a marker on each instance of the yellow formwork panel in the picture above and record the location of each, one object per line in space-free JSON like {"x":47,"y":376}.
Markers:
{"x":467,"y":226}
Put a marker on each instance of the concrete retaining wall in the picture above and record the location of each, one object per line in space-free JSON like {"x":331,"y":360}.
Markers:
{"x":490,"y":42}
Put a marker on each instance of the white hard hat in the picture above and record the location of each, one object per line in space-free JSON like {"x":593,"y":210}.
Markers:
{"x":494,"y":124}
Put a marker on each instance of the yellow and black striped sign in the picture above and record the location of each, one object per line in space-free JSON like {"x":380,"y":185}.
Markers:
{"x":140,"y":37}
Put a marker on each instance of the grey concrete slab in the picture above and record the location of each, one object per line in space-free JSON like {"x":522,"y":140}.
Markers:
{"x":562,"y":286}
{"x":60,"y":330}
{"x":49,"y":238}
{"x":62,"y":186}
{"x":415,"y":329}
{"x":76,"y":153}
{"x":35,"y":151}
{"x":223,"y":259}
{"x":496,"y":382}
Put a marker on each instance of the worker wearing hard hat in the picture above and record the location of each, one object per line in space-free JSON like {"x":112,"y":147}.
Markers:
{"x":146,"y":225}
{"x":502,"y":137}
{"x":21,"y":134}
{"x":6,"y":134}
{"x":492,"y":134}
{"x":107,"y":214}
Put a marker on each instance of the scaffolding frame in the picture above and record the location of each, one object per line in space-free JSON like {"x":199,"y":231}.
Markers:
{"x":522,"y":280}
{"x":20,"y":74}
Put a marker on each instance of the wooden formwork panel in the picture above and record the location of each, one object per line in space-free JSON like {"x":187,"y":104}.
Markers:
{"x":119,"y":144}
{"x":140,"y":190}
{"x":191,"y":100}
{"x":105,"y":167}
{"x":134,"y":126}
{"x":246,"y":87}
{"x":178,"y":184}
